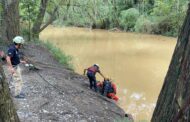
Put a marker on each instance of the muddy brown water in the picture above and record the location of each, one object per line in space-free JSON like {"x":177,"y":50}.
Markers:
{"x":136,"y":62}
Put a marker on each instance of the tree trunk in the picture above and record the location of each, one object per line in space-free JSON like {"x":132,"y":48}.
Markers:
{"x":136,"y":2}
{"x":39,"y":20}
{"x":151,"y":2}
{"x":51,"y":19}
{"x":10,"y":27}
{"x":151,"y":5}
{"x":175,"y":92}
{"x":7,"y":110}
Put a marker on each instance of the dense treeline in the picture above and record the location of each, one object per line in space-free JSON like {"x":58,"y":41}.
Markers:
{"x":148,"y":16}
{"x":145,"y":16}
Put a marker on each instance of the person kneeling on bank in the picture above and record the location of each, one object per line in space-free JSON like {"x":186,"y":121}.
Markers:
{"x":108,"y":89}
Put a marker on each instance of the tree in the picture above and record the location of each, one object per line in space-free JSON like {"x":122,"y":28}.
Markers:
{"x":38,"y":25}
{"x":7,"y":109}
{"x":151,"y":2}
{"x":173,"y":101}
{"x":28,"y":13}
{"x":39,"y":19}
{"x":10,"y":26}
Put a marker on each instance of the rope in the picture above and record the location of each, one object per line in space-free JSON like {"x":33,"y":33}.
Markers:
{"x":60,"y":91}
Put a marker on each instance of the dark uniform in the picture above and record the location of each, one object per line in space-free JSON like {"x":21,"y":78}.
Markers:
{"x":91,"y":72}
{"x":13,"y":53}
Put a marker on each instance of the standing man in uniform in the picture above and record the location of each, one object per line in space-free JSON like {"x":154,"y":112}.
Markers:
{"x":13,"y":61}
{"x":91,"y":74}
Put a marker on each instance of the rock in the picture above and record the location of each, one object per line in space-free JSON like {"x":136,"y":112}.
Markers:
{"x":130,"y":117}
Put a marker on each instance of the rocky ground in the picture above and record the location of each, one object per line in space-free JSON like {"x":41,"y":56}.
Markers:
{"x":55,"y":93}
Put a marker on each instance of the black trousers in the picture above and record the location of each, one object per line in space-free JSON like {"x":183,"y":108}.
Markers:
{"x":92,"y":80}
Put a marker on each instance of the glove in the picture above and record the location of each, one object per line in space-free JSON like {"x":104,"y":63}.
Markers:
{"x":26,"y":65}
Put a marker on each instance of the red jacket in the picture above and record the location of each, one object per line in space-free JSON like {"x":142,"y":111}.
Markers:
{"x":93,"y":69}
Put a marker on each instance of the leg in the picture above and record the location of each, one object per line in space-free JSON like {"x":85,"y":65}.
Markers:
{"x":112,"y":96}
{"x":94,"y":83}
{"x":95,"y":86}
{"x":90,"y":81}
{"x":18,"y":81}
{"x":99,"y":87}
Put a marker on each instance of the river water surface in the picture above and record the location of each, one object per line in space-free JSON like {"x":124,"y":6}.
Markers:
{"x":136,"y":62}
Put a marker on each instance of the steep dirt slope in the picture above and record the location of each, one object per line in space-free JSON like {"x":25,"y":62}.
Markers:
{"x":58,"y":94}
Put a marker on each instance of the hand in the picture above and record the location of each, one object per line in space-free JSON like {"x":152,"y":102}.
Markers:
{"x":12,"y":70}
{"x":24,"y":62}
{"x":2,"y":54}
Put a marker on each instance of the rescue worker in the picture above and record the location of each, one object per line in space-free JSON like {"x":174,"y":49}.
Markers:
{"x":13,"y":61}
{"x":91,"y":74}
{"x":108,"y":89}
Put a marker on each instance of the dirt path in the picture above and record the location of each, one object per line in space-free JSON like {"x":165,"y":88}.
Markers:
{"x":58,"y":94}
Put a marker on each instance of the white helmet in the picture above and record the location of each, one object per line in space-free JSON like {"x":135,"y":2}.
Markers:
{"x":96,"y":65}
{"x":18,"y":40}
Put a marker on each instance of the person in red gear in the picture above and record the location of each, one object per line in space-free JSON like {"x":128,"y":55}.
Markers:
{"x":112,"y":95}
{"x":91,"y":74}
{"x":108,"y":88}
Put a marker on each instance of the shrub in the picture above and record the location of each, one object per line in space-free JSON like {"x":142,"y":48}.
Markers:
{"x":143,"y":25}
{"x":128,"y":18}
{"x":166,"y":25}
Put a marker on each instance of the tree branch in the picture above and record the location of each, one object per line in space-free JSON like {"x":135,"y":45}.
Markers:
{"x":52,"y":18}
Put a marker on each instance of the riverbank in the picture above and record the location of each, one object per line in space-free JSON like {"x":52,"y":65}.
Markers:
{"x":58,"y":94}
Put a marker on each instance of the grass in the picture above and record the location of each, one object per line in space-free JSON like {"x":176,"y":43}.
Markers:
{"x":127,"y":120}
{"x":58,"y":54}
{"x":123,"y":120}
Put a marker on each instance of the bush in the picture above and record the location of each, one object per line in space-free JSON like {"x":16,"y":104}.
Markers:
{"x":167,"y":20}
{"x":128,"y":18}
{"x":143,"y":25}
{"x":166,"y":25}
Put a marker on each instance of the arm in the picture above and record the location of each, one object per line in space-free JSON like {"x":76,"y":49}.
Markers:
{"x":8,"y":58}
{"x":23,"y":58}
{"x":3,"y":56}
{"x":85,"y":71}
{"x":101,"y":74}
{"x":22,"y":61}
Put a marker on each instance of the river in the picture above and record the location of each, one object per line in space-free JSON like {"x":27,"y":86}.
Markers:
{"x":137,"y":63}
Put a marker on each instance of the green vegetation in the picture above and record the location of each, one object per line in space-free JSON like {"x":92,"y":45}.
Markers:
{"x":127,"y":120}
{"x":128,"y":18}
{"x":123,"y":120}
{"x":145,"y":16}
{"x":163,"y":17}
{"x":59,"y":54}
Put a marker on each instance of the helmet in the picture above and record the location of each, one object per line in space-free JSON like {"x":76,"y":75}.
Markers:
{"x":18,"y":40}
{"x":106,"y":79}
{"x":96,"y":65}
